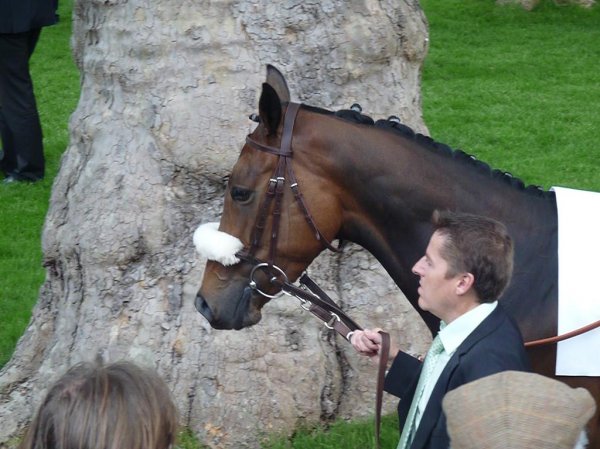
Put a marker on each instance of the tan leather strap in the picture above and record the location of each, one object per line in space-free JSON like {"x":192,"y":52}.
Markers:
{"x":556,"y":339}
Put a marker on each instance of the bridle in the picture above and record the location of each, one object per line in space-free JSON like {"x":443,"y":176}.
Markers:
{"x":274,"y":196}
{"x":311,"y":296}
{"x":272,"y":203}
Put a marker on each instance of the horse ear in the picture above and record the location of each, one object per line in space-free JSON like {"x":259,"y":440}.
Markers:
{"x":269,"y":108}
{"x":277,"y":82}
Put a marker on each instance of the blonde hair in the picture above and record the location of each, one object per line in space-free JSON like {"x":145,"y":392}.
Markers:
{"x":115,"y":406}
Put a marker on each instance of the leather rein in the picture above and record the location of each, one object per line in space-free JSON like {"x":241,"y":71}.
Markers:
{"x":565,"y":336}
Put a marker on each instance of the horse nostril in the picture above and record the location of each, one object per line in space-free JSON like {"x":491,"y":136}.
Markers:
{"x":202,"y":307}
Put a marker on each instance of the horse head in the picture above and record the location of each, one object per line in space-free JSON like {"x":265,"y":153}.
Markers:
{"x":267,"y":233}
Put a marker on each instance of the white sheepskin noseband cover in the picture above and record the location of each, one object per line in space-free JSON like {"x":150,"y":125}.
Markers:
{"x":217,"y":245}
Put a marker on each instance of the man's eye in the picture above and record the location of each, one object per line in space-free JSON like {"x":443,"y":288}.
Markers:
{"x":240,"y":194}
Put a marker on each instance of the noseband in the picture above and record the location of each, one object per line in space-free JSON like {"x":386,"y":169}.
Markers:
{"x":273,"y":200}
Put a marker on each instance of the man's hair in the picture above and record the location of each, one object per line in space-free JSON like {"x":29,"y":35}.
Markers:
{"x":477,"y":245}
{"x":116,"y":406}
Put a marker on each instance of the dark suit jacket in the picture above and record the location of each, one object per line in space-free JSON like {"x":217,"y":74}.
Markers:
{"x":19,"y":16}
{"x":495,"y":345}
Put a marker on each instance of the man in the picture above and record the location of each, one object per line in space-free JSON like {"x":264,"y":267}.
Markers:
{"x":20,"y":26}
{"x":466,"y":267}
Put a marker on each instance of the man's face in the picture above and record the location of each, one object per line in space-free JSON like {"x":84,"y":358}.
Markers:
{"x":437,"y":293}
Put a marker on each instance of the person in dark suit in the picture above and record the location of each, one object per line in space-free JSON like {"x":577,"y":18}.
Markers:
{"x":466,"y":267}
{"x":21,"y":22}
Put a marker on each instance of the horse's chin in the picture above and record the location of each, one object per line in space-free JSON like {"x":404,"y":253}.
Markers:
{"x":242,"y":315}
{"x":247,"y":312}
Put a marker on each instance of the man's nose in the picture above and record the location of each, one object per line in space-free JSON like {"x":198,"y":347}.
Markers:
{"x":416,"y":267}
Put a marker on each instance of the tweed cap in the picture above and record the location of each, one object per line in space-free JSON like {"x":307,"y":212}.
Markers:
{"x":516,"y":410}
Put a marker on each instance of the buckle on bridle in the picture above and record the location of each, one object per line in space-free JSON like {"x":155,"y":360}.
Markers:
{"x":304,"y":304}
{"x":332,"y":320}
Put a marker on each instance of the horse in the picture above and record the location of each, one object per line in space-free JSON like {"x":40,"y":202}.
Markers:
{"x":377,"y":185}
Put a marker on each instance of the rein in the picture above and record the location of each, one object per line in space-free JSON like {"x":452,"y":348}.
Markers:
{"x":316,"y":301}
{"x":312,"y":297}
{"x":565,"y":336}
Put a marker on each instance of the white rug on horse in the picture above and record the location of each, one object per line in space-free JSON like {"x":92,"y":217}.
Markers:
{"x":578,"y":276}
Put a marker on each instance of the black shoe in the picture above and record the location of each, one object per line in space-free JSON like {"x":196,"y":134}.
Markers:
{"x":12,"y":178}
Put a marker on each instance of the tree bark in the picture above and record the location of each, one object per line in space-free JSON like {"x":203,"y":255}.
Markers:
{"x":167,"y":87}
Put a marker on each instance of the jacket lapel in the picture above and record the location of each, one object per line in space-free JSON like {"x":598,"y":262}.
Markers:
{"x":432,"y":412}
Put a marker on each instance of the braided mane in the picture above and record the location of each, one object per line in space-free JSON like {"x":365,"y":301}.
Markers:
{"x":393,"y":124}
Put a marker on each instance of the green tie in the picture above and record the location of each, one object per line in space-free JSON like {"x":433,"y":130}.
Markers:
{"x":408,"y":432}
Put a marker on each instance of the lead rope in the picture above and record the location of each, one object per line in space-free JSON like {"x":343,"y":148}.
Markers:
{"x":556,"y":339}
{"x":317,"y":302}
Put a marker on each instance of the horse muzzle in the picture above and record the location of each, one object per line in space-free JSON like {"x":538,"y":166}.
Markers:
{"x":230,"y":314}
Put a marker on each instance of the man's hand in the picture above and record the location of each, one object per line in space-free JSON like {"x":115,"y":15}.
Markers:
{"x":367,"y":342}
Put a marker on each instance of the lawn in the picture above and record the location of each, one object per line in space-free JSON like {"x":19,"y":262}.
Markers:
{"x":23,"y":207}
{"x":517,"y":89}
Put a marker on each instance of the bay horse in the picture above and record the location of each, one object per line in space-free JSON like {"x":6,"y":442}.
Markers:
{"x":375,"y":185}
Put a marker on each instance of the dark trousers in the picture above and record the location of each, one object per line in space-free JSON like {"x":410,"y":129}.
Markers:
{"x":19,"y":120}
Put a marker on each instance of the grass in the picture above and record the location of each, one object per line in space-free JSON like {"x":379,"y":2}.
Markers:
{"x":23,"y":206}
{"x":517,"y":89}
{"x":357,"y":435}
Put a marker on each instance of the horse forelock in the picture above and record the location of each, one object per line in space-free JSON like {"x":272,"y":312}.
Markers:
{"x":426,"y":142}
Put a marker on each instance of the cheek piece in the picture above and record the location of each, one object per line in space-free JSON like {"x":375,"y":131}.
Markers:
{"x":217,"y":245}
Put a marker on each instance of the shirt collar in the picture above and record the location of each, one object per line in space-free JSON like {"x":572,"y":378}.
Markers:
{"x":453,"y":334}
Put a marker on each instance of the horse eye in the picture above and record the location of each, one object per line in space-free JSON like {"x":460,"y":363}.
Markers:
{"x":240,"y":194}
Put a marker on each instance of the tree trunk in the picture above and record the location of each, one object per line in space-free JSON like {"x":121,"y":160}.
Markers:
{"x":167,"y":87}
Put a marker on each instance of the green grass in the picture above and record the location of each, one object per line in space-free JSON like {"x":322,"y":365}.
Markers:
{"x":23,"y":207}
{"x":517,"y":89}
{"x":357,"y":435}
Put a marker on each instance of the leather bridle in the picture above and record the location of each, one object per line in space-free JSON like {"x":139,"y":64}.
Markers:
{"x":311,"y":296}
{"x":273,"y":200}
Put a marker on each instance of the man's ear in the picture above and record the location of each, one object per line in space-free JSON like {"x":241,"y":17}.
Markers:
{"x":464,"y":283}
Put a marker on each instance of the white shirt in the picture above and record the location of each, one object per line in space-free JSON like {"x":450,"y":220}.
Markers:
{"x":452,"y":335}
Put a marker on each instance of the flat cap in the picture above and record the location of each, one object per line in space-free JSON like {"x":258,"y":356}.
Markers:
{"x":516,"y":410}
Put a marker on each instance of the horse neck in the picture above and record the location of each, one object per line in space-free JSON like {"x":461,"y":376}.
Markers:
{"x":391,"y":186}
